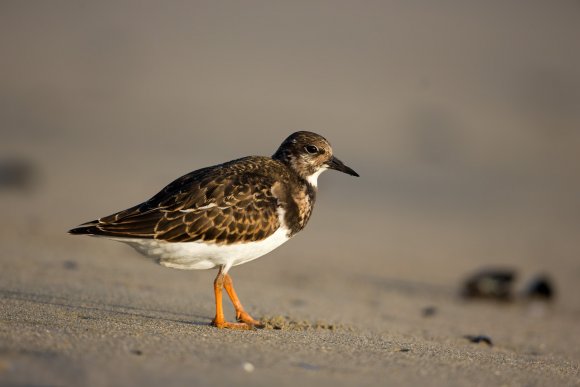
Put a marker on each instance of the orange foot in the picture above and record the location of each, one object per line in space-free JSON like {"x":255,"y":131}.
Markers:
{"x":230,"y":325}
{"x":243,"y":317}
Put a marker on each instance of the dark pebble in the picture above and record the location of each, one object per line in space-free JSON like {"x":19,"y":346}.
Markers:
{"x":17,"y":174}
{"x":429,"y":311}
{"x":491,"y":284}
{"x":540,"y":288}
{"x":70,"y":265}
{"x":479,"y":339}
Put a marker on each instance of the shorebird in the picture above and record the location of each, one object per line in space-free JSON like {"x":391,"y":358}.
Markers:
{"x":226,"y":215}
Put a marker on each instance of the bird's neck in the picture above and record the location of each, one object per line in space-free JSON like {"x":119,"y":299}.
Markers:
{"x":304,"y":170}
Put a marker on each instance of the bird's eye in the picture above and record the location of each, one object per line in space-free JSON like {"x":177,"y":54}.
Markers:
{"x":311,"y":149}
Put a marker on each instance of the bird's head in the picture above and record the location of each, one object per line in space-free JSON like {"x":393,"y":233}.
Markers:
{"x":309,"y":154}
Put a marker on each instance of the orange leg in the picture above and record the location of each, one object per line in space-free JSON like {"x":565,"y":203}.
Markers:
{"x":219,"y":320}
{"x":241,"y":314}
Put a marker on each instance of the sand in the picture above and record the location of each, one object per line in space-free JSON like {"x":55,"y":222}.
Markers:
{"x":83,"y":311}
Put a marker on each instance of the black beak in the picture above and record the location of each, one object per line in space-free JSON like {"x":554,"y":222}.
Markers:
{"x":338,"y":165}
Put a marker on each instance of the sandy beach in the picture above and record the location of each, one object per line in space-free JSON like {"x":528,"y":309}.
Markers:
{"x":461,"y":120}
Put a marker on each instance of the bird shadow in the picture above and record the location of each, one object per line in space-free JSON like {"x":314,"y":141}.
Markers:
{"x":122,"y":310}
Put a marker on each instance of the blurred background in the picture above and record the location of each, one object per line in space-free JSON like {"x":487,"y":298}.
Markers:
{"x":462,"y":118}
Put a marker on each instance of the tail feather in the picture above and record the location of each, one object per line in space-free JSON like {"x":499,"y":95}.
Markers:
{"x":89,"y":228}
{"x":145,"y":229}
{"x":130,"y":223}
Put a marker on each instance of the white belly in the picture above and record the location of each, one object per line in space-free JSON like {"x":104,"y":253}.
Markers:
{"x":199,"y":255}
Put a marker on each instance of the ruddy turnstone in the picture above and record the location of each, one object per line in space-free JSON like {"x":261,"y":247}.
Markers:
{"x":227,"y":214}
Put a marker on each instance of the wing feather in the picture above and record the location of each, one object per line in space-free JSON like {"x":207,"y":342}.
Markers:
{"x":216,"y":205}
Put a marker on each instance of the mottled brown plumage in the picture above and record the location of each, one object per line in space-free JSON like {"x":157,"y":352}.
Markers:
{"x":233,"y":202}
{"x":228,"y":203}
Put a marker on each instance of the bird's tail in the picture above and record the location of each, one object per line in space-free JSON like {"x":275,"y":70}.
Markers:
{"x":89,"y":228}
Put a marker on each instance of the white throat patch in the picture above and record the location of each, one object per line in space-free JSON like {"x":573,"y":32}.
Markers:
{"x":313,"y":179}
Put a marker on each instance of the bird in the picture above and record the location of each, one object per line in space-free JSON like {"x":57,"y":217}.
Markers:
{"x":226,"y":215}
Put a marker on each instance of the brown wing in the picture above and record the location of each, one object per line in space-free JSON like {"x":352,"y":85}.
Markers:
{"x":213,"y":205}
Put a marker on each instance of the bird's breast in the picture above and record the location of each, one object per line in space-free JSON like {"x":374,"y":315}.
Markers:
{"x":298,"y":206}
